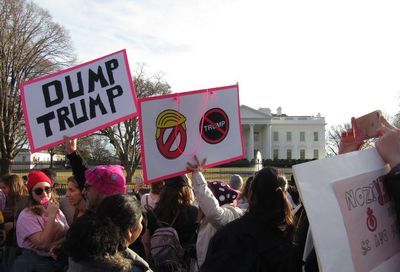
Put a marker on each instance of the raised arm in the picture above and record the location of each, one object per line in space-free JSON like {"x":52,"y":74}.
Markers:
{"x":78,"y":165}
{"x":216,"y":215}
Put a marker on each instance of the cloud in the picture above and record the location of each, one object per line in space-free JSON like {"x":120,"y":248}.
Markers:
{"x":306,"y":56}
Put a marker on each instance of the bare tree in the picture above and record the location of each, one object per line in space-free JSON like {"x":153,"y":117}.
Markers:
{"x":95,"y":149}
{"x":125,"y":136}
{"x":333,"y":141}
{"x":54,"y":151}
{"x":396,"y":120}
{"x":334,"y":136}
{"x":31,"y":45}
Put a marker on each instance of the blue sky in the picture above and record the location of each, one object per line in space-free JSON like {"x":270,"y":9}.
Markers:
{"x":338,"y":58}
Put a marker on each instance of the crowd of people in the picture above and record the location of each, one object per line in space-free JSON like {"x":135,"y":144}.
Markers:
{"x":185,"y":223}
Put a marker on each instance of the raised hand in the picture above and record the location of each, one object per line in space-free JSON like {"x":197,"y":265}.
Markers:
{"x":348,"y":142}
{"x":70,"y":145}
{"x":388,"y":145}
{"x":198,"y":166}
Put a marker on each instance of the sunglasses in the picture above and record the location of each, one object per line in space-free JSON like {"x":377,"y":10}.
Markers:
{"x":39,"y":191}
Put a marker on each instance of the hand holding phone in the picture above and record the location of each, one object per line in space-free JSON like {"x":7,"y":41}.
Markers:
{"x":367,"y":126}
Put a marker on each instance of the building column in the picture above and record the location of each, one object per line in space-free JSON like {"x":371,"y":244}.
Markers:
{"x":268,"y":142}
{"x":250,"y":150}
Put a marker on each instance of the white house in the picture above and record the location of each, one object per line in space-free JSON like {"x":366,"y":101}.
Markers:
{"x":278,"y":136}
{"x":26,"y":160}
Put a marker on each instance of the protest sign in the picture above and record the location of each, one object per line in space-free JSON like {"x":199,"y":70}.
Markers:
{"x":176,"y":127}
{"x":351,"y":217}
{"x":78,"y":100}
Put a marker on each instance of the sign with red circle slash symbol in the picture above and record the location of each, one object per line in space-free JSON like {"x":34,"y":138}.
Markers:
{"x":171,"y":133}
{"x":214,"y":126}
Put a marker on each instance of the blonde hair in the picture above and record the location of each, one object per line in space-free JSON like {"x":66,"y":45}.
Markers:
{"x":18,"y":190}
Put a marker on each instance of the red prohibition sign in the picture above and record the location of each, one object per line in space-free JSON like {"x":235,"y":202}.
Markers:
{"x":214,"y":126}
{"x":165,"y":147}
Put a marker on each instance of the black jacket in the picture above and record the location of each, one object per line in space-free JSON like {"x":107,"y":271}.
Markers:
{"x":247,"y":245}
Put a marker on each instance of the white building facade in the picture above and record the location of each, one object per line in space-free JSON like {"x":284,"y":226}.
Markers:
{"x":25,"y":160}
{"x":278,"y":136}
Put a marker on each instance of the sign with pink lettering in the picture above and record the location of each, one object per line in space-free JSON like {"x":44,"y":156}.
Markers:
{"x":78,"y":101}
{"x":176,"y":127}
{"x":369,"y":218}
{"x":351,"y":217}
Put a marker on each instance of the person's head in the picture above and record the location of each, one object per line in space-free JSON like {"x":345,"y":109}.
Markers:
{"x":103,"y":181}
{"x":96,"y":241}
{"x":156,"y":187}
{"x":73,"y":194}
{"x":125,"y":212}
{"x":222,"y":192}
{"x":268,"y":201}
{"x":39,"y":186}
{"x":283,"y":183}
{"x":236,"y":182}
{"x":13,"y":188}
{"x":246,"y":189}
{"x":176,"y":193}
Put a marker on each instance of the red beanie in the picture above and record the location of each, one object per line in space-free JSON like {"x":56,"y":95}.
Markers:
{"x":34,"y":177}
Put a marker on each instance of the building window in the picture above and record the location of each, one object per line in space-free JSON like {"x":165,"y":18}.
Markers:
{"x":315,"y":136}
{"x":288,"y":136}
{"x":23,"y":158}
{"x":276,"y":154}
{"x":302,"y":136}
{"x":289,"y":154}
{"x":302,"y":154}
{"x":276,"y":136}
{"x":316,"y":154}
{"x":256,"y":136}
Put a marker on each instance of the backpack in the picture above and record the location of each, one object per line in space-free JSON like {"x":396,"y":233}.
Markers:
{"x":165,"y":248}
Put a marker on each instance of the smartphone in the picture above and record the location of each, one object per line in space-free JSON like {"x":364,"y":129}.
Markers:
{"x":366,"y":126}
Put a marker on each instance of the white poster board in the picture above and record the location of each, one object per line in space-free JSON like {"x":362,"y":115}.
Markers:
{"x":351,"y":219}
{"x":176,"y":127}
{"x":78,"y":101}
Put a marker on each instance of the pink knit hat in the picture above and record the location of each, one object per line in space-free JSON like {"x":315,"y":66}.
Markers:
{"x":107,"y":179}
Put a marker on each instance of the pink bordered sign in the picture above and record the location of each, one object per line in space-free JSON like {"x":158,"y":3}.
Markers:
{"x":176,"y":127}
{"x":78,"y":101}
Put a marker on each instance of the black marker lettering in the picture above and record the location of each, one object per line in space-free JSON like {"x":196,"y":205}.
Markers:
{"x":111,"y":95}
{"x":46,"y":88}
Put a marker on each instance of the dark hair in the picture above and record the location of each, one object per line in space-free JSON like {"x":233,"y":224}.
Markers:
{"x":123,"y":210}
{"x":175,"y":194}
{"x":268,"y":201}
{"x":96,"y":241}
{"x":156,"y":187}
